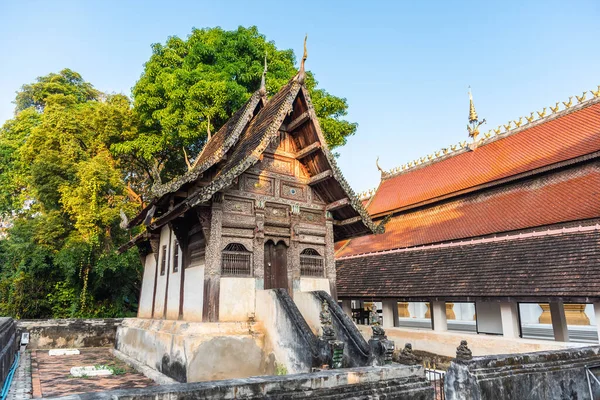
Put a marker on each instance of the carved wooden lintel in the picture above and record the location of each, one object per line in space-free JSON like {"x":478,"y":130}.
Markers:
{"x":337,"y":204}
{"x":320,"y":177}
{"x":347,"y":221}
{"x":295,"y":124}
{"x":311,"y":148}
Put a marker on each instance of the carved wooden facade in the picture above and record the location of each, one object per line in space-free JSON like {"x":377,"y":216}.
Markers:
{"x":260,"y":209}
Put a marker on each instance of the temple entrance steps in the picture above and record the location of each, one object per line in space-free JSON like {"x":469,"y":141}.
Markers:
{"x":293,"y":330}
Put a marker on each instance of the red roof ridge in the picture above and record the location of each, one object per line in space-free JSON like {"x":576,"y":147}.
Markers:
{"x":469,"y":241}
{"x":492,"y":136}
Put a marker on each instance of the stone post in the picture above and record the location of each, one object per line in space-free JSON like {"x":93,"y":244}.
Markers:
{"x":509,"y":314}
{"x":559,"y":321}
{"x":212,"y":272}
{"x":390,"y":313}
{"x":347,"y":307}
{"x":438,"y":316}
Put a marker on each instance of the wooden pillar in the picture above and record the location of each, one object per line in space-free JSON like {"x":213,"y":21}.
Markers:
{"x":559,"y":321}
{"x":438,"y":316}
{"x":347,"y":307}
{"x":330,"y":254}
{"x":259,"y":245}
{"x":509,"y":313}
{"x":212,"y":272}
{"x":390,"y":313}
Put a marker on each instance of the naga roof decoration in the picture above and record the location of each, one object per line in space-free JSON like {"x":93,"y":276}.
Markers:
{"x":528,"y":146}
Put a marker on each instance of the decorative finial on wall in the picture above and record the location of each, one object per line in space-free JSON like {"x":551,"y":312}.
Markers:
{"x":570,"y":103}
{"x":302,"y":72}
{"x":555,"y":108}
{"x":518,"y":122}
{"x":530,"y":118}
{"x":263,"y":86}
{"x":543,"y":113}
{"x":474,"y":124}
{"x":596,"y":93}
{"x":581,"y":99}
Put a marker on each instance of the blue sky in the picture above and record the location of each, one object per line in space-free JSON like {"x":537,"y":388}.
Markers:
{"x":404,"y":66}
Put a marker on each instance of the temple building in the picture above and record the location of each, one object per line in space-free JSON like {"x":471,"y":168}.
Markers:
{"x":499,"y":230}
{"x":259,"y":208}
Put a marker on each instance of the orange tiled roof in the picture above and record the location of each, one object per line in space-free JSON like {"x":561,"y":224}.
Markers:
{"x":573,"y":134}
{"x":569,"y":195}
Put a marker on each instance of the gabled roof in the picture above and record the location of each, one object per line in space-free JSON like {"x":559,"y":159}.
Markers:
{"x":291,"y":101}
{"x":569,"y":195}
{"x":215,"y":148}
{"x":561,"y":264}
{"x":561,"y":136}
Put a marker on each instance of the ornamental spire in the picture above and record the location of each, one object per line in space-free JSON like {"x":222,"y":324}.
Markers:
{"x":263,"y":88}
{"x":474,"y":124}
{"x":302,"y":72}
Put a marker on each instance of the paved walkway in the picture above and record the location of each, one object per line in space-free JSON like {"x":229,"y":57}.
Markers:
{"x":21,"y":385}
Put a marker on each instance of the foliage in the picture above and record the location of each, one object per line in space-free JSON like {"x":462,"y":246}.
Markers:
{"x":63,"y":189}
{"x":189,"y":86}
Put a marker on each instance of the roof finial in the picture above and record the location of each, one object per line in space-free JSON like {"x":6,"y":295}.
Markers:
{"x":378,"y":167}
{"x":263,"y":88}
{"x":302,"y":72}
{"x":474,"y":124}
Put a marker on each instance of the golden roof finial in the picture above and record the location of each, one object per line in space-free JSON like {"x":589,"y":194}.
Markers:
{"x":302,"y":72}
{"x":378,"y":167}
{"x":474,"y":124}
{"x":263,"y":86}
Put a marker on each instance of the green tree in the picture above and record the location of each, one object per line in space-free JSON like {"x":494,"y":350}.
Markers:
{"x":63,"y":189}
{"x":189,"y":84}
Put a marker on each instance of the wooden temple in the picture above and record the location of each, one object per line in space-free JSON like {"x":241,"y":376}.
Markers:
{"x":509,"y":218}
{"x":259,"y":208}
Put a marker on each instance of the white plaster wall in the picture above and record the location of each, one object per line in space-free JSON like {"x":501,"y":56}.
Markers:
{"x":488,"y":317}
{"x":193,"y":293}
{"x":417,"y":309}
{"x":312,"y":284}
{"x":145,"y":308}
{"x":445,"y":343}
{"x":174,"y":282}
{"x":310,"y":308}
{"x":237,"y":297}
{"x":161,"y":281}
{"x":530,"y":313}
{"x":464,"y":311}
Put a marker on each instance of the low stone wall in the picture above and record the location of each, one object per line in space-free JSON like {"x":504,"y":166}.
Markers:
{"x":196,"y":351}
{"x":444,"y":343}
{"x":67,"y":333}
{"x":389,"y":382}
{"x":548,"y":375}
{"x":8,"y":345}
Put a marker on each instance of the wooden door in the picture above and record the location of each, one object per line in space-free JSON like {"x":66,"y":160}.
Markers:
{"x":275,"y":265}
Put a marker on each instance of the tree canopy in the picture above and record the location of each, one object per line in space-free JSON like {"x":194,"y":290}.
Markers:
{"x":192,"y":85}
{"x":63,"y":189}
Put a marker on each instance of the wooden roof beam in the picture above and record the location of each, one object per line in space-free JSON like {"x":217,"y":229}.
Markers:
{"x":347,"y":221}
{"x":337,"y":204}
{"x":298,"y":122}
{"x":313,"y":180}
{"x":311,"y":148}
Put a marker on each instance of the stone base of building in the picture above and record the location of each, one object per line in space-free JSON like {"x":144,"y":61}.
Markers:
{"x":196,"y":351}
{"x":390,"y":382}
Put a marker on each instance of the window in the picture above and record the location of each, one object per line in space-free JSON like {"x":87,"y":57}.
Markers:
{"x":163,"y":263}
{"x":311,"y":263}
{"x":175,"y":256}
{"x":236,"y":260}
